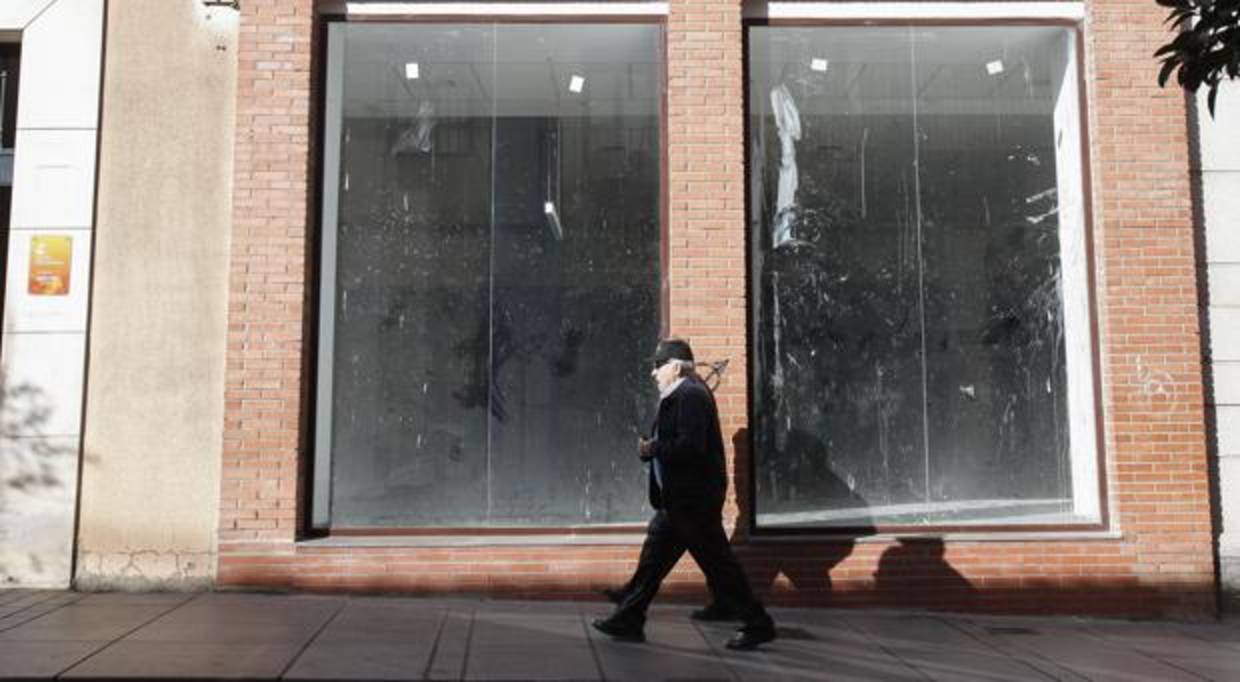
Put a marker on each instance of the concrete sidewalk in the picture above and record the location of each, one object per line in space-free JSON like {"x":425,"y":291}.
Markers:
{"x":45,"y":635}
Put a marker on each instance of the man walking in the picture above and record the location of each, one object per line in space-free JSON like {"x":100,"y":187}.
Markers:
{"x":688,"y":482}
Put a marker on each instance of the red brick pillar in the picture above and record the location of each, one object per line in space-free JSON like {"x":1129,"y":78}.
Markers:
{"x":706,"y":155}
{"x":259,"y":497}
{"x":1147,"y":292}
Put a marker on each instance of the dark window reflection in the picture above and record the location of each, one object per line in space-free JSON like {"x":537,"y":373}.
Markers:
{"x":497,"y":279}
{"x":908,"y":284}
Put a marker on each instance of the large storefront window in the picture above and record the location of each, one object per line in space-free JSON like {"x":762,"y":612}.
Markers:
{"x":491,"y":272}
{"x":920,"y":296}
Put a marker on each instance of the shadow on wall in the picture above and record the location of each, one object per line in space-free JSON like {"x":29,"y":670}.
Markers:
{"x":807,"y":567}
{"x":914,"y":572}
{"x":36,"y":474}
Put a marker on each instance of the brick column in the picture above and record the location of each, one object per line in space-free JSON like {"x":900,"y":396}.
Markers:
{"x":706,"y":157}
{"x":259,"y":496}
{"x":1148,"y":294}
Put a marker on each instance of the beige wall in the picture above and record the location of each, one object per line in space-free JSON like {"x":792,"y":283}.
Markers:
{"x":1220,"y":183}
{"x":155,"y":382}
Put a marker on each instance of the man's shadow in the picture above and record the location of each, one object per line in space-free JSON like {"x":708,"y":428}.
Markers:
{"x":804,"y":566}
{"x":914,"y":573}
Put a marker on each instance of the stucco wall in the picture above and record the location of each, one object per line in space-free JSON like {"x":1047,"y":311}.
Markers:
{"x":1220,"y":185}
{"x":155,"y":396}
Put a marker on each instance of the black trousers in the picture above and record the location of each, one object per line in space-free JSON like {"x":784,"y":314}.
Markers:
{"x":699,"y":531}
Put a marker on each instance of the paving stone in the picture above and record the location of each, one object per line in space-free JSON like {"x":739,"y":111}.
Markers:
{"x":228,"y":609}
{"x":27,"y":660}
{"x":236,"y":632}
{"x":451,"y":646}
{"x":969,"y":665}
{"x":674,"y":649}
{"x":1096,"y":659}
{"x":181,"y":660}
{"x":8,"y":596}
{"x":169,"y":599}
{"x":362,"y":661}
{"x":398,"y":621}
{"x":1223,"y":666}
{"x":374,"y":640}
{"x":500,"y":647}
{"x":810,"y":647}
{"x":77,"y":623}
{"x":915,"y":632}
{"x":1154,"y":639}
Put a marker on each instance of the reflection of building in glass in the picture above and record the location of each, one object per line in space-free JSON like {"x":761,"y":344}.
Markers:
{"x":472,"y":380}
{"x":916,"y":336}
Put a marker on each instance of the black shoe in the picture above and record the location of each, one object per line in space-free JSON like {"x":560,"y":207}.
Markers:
{"x":620,"y":630}
{"x":714,"y":612}
{"x":614,"y":595}
{"x":749,"y":639}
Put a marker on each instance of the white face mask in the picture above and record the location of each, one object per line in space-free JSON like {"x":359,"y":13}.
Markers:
{"x":666,"y":374}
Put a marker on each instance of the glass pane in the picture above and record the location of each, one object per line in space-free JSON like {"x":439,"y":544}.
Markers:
{"x":497,"y":274}
{"x":576,"y":270}
{"x":997,"y":381}
{"x":909,"y":276}
{"x":412,"y":315}
{"x":837,"y":304}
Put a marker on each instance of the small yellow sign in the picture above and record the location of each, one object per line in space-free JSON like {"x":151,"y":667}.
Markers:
{"x":50,"y":258}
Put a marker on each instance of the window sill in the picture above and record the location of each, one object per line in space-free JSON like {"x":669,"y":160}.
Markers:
{"x":768,"y":537}
{"x":389,"y":541}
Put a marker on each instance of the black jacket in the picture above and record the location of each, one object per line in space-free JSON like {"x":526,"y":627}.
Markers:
{"x":689,"y":446}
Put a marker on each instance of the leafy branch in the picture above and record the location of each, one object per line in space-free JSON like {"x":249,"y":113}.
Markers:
{"x":1207,"y":49}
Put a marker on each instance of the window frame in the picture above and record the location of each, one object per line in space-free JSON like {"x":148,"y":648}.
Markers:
{"x":315,"y":515}
{"x":880,"y":15}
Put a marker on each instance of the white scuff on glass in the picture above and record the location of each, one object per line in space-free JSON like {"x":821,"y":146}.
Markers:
{"x":553,"y":220}
{"x":788,"y":124}
{"x":994,"y":68}
{"x":412,"y":72}
{"x":418,"y":136}
{"x":576,"y":84}
{"x":818,"y":64}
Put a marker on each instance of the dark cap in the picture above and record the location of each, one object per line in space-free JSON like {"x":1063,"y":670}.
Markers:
{"x":672,"y":349}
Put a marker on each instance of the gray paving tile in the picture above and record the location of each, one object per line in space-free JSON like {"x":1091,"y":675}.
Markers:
{"x":915,"y":631}
{"x":30,"y":600}
{"x":223,"y":610}
{"x":1154,"y":639}
{"x":362,"y":661}
{"x":136,"y":598}
{"x":970,"y":665}
{"x":369,"y":639}
{"x":233,"y":632}
{"x":13,"y":594}
{"x":27,"y":612}
{"x":500,"y":645}
{"x":181,"y":660}
{"x":1097,"y":659}
{"x":451,"y":646}
{"x":76,"y":623}
{"x":810,"y":648}
{"x":384,"y":623}
{"x":780,"y":661}
{"x":26,"y":660}
{"x":1223,"y":666}
{"x":674,"y":649}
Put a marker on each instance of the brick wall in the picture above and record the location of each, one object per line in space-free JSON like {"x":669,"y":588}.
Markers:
{"x":1146,"y":289}
{"x":272,"y":217}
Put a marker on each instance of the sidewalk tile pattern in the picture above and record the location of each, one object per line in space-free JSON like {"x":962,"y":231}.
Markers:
{"x":238,"y":636}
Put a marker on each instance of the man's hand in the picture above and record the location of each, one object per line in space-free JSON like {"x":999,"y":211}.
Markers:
{"x":645,"y":448}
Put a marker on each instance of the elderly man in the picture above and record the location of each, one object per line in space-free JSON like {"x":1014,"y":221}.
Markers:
{"x":688,"y":482}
